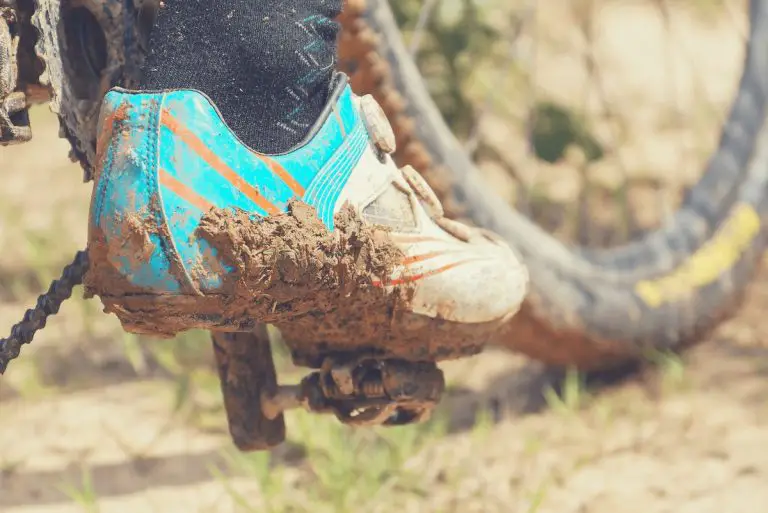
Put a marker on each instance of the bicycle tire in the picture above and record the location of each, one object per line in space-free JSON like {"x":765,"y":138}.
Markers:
{"x":594,"y":308}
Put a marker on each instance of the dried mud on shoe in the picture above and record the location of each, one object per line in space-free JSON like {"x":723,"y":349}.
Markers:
{"x":289,"y":270}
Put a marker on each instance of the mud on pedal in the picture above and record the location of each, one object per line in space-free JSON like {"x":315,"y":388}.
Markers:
{"x":358,"y":391}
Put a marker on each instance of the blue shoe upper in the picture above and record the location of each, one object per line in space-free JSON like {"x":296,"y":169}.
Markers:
{"x":166,"y":158}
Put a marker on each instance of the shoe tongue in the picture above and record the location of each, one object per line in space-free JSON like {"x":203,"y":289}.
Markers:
{"x":392,"y":208}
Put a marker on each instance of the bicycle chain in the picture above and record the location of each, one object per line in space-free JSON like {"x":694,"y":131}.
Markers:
{"x":47,"y":304}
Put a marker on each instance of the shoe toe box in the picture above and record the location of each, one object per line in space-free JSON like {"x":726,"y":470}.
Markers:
{"x":472,"y":283}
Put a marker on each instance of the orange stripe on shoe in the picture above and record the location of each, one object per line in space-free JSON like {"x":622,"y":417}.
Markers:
{"x":425,"y":256}
{"x":107,"y":125}
{"x":416,"y":277}
{"x":413,"y":239}
{"x":284,"y":175}
{"x":183,"y":191}
{"x":108,"y":129}
{"x":215,"y":162}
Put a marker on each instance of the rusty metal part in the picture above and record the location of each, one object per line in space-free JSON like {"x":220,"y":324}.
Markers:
{"x":14,"y":122}
{"x":47,"y":304}
{"x":364,"y":392}
{"x":247,"y":371}
{"x":585,"y":307}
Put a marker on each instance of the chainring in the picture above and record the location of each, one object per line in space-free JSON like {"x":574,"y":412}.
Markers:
{"x":87,"y":47}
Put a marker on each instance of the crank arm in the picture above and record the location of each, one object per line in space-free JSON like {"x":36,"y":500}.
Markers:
{"x":358,"y":391}
{"x":247,"y":372}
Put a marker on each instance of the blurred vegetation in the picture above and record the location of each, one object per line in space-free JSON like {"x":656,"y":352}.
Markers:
{"x":459,"y":40}
{"x":456,"y":34}
{"x":579,"y":166}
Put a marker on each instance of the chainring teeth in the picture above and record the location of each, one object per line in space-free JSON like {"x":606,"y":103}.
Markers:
{"x":40,"y":48}
{"x":78,"y":77}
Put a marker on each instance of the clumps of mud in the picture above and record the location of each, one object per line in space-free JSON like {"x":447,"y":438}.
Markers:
{"x":293,"y":264}
{"x":315,"y":285}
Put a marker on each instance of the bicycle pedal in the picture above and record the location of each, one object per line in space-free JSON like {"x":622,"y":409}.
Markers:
{"x":358,"y":391}
{"x":363,"y":392}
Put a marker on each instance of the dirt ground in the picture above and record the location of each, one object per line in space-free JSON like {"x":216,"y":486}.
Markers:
{"x":94,"y":420}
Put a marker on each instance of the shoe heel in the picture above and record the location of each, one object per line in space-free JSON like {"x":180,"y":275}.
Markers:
{"x":129,"y":246}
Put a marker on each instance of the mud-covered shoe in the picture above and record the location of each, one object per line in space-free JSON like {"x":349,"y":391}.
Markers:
{"x":167,"y":159}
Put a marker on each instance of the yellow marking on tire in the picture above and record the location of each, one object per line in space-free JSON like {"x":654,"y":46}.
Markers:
{"x":705,"y":266}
